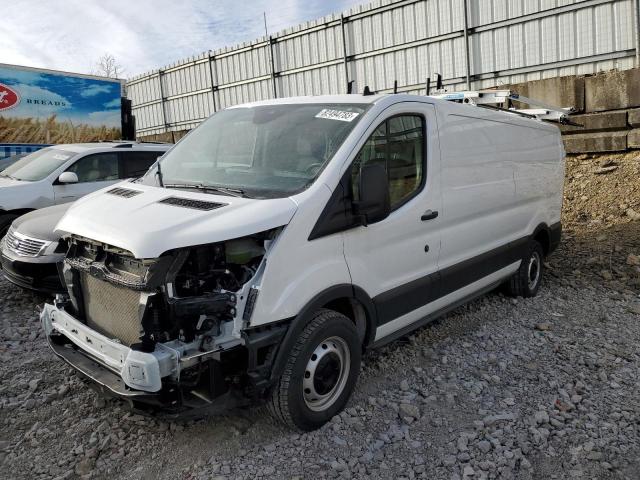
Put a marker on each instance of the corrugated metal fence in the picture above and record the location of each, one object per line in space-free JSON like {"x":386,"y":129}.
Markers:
{"x":484,"y":42}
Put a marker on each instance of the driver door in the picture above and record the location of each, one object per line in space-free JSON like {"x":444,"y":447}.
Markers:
{"x":94,"y":172}
{"x":395,"y":260}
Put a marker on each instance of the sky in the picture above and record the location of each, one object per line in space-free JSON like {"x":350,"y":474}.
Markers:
{"x":142,"y":35}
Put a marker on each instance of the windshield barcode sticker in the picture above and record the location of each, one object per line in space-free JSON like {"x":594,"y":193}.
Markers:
{"x":337,"y":115}
{"x":59,"y":156}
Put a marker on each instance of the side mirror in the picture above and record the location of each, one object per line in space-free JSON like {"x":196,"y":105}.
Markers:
{"x":373,"y":187}
{"x":68,"y":177}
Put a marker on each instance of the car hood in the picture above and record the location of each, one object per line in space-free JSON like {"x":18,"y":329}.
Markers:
{"x":41,"y":223}
{"x":147,"y":228}
{"x":9,"y":182}
{"x":16,"y":194}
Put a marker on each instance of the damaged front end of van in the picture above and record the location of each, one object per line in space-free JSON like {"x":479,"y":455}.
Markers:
{"x":166,"y":333}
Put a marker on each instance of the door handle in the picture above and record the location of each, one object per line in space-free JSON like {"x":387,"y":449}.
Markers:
{"x":429,"y":215}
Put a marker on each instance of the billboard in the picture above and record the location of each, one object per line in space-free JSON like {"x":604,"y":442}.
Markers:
{"x":44,"y":106}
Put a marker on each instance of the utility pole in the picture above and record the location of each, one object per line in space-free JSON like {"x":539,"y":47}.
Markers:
{"x":266,"y":32}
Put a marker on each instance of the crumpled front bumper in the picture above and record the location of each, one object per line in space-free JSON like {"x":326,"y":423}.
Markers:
{"x":124,"y":371}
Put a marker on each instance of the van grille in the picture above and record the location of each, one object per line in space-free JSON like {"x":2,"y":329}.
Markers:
{"x":23,"y":245}
{"x":111,"y":310}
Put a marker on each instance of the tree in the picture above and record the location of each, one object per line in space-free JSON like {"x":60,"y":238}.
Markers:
{"x":107,"y":66}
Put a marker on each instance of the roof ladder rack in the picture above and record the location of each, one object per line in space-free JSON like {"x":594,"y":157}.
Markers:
{"x":500,"y":99}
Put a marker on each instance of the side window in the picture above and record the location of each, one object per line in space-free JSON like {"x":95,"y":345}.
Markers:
{"x":398,"y":145}
{"x":135,"y":164}
{"x":98,"y":167}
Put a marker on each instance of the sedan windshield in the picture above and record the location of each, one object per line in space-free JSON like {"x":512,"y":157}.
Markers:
{"x":266,"y":151}
{"x":37,"y":165}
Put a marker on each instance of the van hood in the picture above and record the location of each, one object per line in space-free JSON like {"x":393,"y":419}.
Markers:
{"x":147,"y":227}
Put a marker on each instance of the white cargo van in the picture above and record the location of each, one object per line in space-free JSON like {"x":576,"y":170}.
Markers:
{"x":280,"y":239}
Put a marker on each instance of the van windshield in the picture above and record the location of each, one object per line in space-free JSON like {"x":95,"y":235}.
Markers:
{"x":266,"y":151}
{"x":37,"y":165}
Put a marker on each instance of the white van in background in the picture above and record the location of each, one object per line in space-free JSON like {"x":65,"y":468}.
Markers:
{"x":64,"y":173}
{"x":282,"y":238}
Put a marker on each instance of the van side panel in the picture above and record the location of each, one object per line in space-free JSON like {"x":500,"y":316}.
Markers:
{"x":298,"y":269}
{"x":501,"y":178}
{"x":478,"y":189}
{"x":539,"y":177}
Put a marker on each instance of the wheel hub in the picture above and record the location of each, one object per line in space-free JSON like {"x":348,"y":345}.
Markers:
{"x":533,"y":270}
{"x":326,"y":373}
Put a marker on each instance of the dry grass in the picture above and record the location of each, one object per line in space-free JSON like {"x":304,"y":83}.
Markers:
{"x":31,"y":130}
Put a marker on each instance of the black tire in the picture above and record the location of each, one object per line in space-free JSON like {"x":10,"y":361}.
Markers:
{"x":291,"y":401}
{"x":5,"y":223}
{"x":527,"y":280}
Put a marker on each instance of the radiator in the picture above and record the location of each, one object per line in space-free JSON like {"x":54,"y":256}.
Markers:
{"x":111,"y":310}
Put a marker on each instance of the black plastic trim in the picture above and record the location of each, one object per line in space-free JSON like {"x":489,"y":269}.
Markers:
{"x":410,"y":296}
{"x":337,"y":215}
{"x":432,"y":316}
{"x":555,"y":236}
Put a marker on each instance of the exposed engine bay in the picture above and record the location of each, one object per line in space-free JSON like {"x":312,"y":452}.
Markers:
{"x":187,"y":307}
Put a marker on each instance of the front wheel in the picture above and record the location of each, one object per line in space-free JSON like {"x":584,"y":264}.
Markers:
{"x":527,"y":280}
{"x":320,"y":373}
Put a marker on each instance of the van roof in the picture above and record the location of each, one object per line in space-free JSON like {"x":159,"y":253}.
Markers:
{"x":446,"y":106}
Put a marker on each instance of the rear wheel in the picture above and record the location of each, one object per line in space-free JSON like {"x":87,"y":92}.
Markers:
{"x":527,"y":280}
{"x":320,"y":373}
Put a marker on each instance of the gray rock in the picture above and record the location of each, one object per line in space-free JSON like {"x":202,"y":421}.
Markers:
{"x":85,"y":466}
{"x":449,"y":460}
{"x":409,"y":410}
{"x":468,"y":471}
{"x":484,"y":446}
{"x":463,"y":443}
{"x":541,"y":417}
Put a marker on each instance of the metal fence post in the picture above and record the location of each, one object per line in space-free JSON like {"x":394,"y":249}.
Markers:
{"x":466,"y":43}
{"x":344,"y":52}
{"x":213,"y":79}
{"x":273,"y":70}
{"x":164,"y":114}
{"x":637,"y":8}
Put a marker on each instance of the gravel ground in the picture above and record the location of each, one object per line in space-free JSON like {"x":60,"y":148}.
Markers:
{"x":500,"y":388}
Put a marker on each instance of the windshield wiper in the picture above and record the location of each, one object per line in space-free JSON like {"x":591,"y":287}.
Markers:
{"x":7,"y":176}
{"x":234,"y":192}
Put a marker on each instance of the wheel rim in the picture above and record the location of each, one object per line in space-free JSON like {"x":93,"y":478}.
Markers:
{"x":533,"y":270}
{"x":326,"y":373}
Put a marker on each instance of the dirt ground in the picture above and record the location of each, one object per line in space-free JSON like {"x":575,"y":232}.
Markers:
{"x":601,"y":218}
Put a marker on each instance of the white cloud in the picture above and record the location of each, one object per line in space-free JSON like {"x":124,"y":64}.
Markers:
{"x":107,"y":117}
{"x":93,"y":90}
{"x":142,"y":35}
{"x":115,"y":103}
